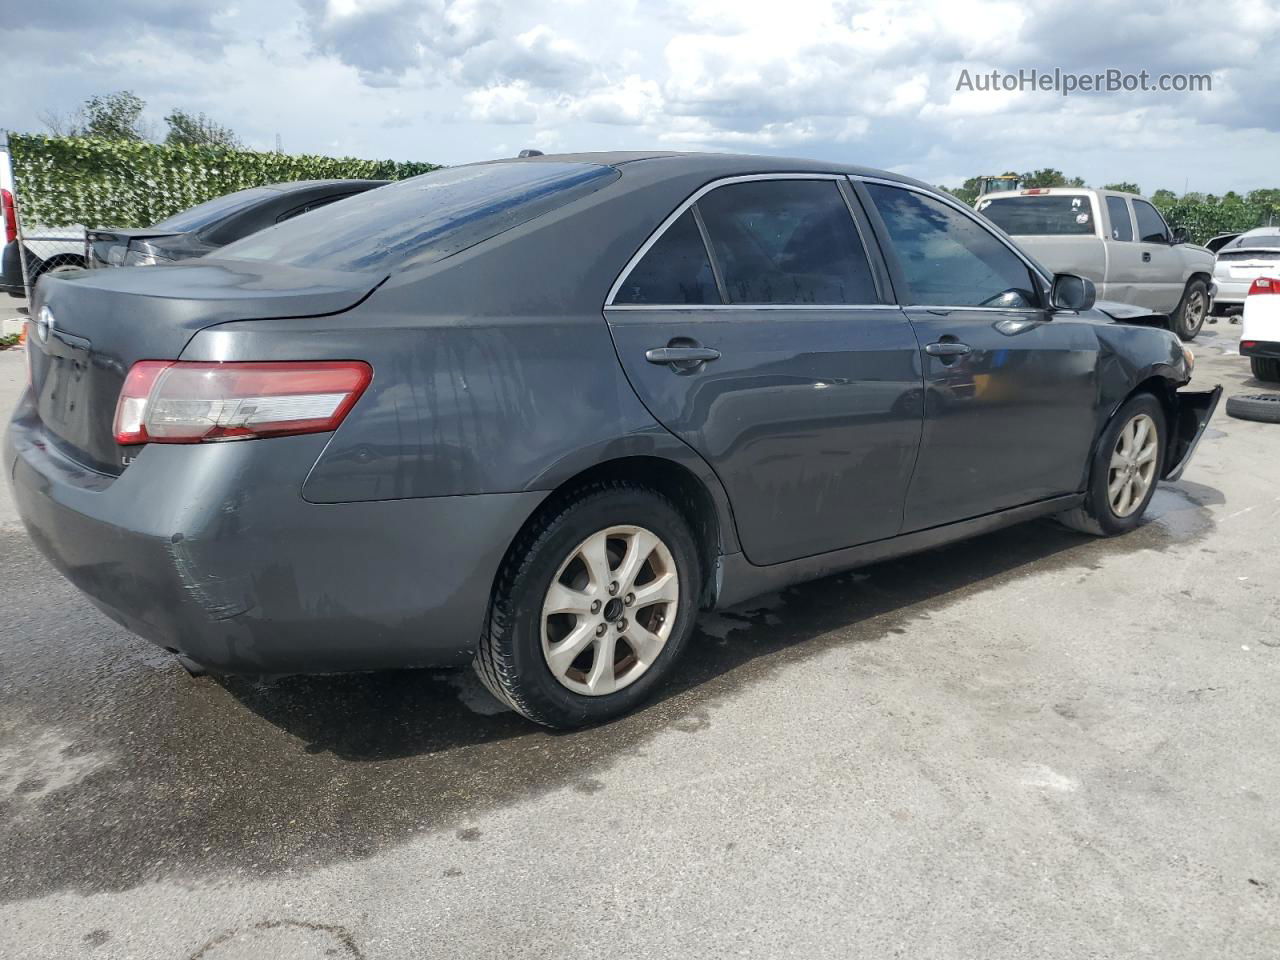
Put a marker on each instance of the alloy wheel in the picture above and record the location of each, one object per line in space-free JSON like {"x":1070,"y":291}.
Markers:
{"x":1133,"y":465}
{"x":609,"y":610}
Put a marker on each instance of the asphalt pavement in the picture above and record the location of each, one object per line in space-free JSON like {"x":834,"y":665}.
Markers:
{"x":1034,"y":744}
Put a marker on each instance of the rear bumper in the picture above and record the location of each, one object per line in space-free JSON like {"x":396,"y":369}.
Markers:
{"x":211,"y":551}
{"x":1260,"y":348}
{"x":11,"y":271}
{"x":1195,"y":410}
{"x":1231,"y":293}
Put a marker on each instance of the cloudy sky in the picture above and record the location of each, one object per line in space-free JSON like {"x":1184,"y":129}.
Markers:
{"x":864,"y":81}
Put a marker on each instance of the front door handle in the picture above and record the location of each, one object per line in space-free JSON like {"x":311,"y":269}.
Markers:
{"x":1146,"y":256}
{"x":947,"y":348}
{"x":685,"y":356}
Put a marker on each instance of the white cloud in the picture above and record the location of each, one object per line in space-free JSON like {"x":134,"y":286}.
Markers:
{"x":869,"y":81}
{"x":504,"y":104}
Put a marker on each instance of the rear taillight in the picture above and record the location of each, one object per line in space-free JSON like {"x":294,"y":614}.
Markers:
{"x":10,"y":217}
{"x":1264,"y":285}
{"x":176,"y":401}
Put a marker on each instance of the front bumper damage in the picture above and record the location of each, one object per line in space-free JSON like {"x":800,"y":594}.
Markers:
{"x":1195,"y":410}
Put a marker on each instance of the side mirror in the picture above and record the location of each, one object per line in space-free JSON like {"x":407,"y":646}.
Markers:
{"x":1072,"y":293}
{"x":1180,"y":235}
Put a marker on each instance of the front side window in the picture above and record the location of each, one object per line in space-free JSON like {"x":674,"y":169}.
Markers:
{"x":948,"y":258}
{"x":1044,"y":215}
{"x":787,"y":241}
{"x":1118,"y":213}
{"x":1151,"y":226}
{"x":676,"y":269}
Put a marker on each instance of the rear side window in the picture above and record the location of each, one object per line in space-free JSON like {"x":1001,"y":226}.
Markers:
{"x":787,"y":241}
{"x":1065,"y":215}
{"x":675,"y":270}
{"x":1118,"y":213}
{"x":424,"y":218}
{"x":1151,"y":226}
{"x":948,"y":258}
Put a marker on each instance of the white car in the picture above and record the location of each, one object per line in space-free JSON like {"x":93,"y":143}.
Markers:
{"x":1253,"y":254}
{"x":1260,"y":335}
{"x":48,"y":249}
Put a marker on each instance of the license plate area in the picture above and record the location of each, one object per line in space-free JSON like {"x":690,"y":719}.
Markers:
{"x":64,"y":387}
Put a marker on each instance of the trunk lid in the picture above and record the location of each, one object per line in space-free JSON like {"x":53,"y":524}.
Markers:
{"x":89,"y":328}
{"x":107,"y":248}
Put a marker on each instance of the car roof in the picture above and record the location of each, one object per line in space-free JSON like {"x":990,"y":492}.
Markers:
{"x":1261,"y":232}
{"x":289,"y":185}
{"x":717,"y":164}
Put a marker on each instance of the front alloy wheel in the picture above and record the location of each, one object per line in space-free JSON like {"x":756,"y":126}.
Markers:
{"x":1124,"y":471}
{"x":1133,"y":465}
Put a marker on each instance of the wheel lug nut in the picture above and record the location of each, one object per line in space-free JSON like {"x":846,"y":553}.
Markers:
{"x":622,"y":625}
{"x":613,"y":588}
{"x":601,"y":629}
{"x":629,"y":599}
{"x":595,"y":606}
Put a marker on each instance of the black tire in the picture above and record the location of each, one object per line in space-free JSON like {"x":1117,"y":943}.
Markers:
{"x":1265,"y":368}
{"x":1096,"y":515}
{"x":509,"y":658}
{"x":1188,"y":319}
{"x":1263,"y":407}
{"x":63,"y":261}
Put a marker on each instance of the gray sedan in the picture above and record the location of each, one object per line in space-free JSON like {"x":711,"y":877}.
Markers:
{"x":533,"y":415}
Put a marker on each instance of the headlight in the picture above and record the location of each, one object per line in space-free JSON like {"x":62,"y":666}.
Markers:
{"x":1190,"y":357}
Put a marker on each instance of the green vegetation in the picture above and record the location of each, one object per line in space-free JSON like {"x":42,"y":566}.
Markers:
{"x":132,"y":183}
{"x":8,"y":340}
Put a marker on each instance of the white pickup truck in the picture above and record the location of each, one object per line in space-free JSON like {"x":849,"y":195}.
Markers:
{"x":1117,"y":240}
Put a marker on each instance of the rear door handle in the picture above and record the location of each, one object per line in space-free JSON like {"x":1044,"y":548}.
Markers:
{"x":1146,"y":256}
{"x":947,"y":349}
{"x":681,"y":355}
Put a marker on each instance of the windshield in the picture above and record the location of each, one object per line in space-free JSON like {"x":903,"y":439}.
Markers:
{"x":1256,"y":241}
{"x":424,"y":218}
{"x":1052,"y":216}
{"x":205,"y":213}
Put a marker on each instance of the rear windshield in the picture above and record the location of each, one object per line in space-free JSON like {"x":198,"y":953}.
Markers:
{"x":1258,"y":241}
{"x":1051,"y":216}
{"x":205,"y":213}
{"x":424,"y":218}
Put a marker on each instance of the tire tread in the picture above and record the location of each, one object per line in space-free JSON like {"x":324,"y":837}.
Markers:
{"x":494,"y":661}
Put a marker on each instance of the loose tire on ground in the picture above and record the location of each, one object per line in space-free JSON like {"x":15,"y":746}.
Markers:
{"x":516,"y":651}
{"x":1265,"y":368}
{"x":1129,"y":458}
{"x":1263,"y":407}
{"x":1194,"y":307}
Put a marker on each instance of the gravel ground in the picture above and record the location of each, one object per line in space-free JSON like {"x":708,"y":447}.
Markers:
{"x":1034,"y":744}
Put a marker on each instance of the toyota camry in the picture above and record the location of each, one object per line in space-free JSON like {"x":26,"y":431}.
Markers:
{"x":533,"y":415}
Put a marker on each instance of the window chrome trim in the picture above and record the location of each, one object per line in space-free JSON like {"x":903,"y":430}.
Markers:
{"x":976,"y":218}
{"x":760,"y":306}
{"x":676,"y":214}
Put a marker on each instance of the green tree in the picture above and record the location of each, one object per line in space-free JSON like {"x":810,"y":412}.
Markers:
{"x":1124,"y":186}
{"x":197,"y":130}
{"x":113,"y":116}
{"x":1048,"y":177}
